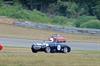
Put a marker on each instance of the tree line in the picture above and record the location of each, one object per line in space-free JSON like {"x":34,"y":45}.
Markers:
{"x":68,"y":8}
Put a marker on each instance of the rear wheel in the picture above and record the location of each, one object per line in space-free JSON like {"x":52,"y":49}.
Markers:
{"x":47,"y":49}
{"x":34,"y":51}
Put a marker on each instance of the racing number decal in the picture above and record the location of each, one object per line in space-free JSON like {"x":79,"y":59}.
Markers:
{"x":58,"y":47}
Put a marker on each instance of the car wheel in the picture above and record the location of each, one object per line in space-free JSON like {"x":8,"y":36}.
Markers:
{"x":34,"y":51}
{"x":47,"y":49}
{"x":66,"y":49}
{"x":69,"y":49}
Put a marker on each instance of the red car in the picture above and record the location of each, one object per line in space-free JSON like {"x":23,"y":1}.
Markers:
{"x":57,"y":38}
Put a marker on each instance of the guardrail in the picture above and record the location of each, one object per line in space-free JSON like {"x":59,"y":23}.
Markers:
{"x":58,"y":28}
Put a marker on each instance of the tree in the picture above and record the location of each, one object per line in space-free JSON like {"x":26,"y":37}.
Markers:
{"x":97,"y":10}
{"x":1,"y":1}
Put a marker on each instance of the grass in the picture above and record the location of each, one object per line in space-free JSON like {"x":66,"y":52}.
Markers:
{"x":88,"y":51}
{"x":19,"y":13}
{"x":27,"y":33}
{"x":12,"y":56}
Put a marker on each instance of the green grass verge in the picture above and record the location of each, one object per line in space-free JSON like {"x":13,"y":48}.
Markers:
{"x":22,"y":14}
{"x":34,"y":16}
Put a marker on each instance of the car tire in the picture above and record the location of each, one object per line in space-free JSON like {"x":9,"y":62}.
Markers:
{"x":34,"y":51}
{"x":47,"y":49}
{"x":69,"y":49}
{"x":66,"y":49}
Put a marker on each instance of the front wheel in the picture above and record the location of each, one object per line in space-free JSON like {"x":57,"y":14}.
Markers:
{"x":66,"y":49}
{"x":47,"y":49}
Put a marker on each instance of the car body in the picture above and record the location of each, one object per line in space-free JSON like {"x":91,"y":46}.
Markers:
{"x":50,"y":47}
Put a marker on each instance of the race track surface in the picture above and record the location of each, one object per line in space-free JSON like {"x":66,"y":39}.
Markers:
{"x":27,"y":43}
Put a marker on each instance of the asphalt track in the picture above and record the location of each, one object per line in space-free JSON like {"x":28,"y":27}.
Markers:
{"x":13,"y":42}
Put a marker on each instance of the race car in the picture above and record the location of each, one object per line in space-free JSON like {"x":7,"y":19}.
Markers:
{"x":57,"y":44}
{"x":57,"y":38}
{"x":50,"y":47}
